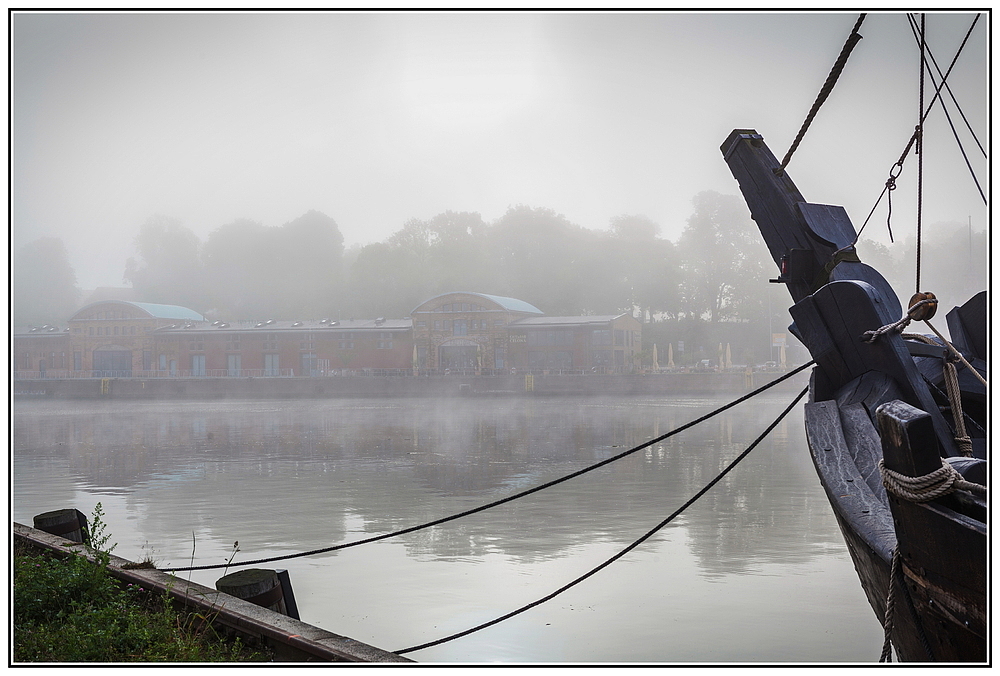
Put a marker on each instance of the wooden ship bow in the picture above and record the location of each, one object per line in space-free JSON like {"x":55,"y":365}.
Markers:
{"x":880,"y":420}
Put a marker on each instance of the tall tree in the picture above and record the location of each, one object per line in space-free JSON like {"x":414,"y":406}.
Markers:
{"x":309,"y":253}
{"x":239,"y":268}
{"x":45,"y":290}
{"x":649,"y":265}
{"x":543,"y":257}
{"x":288,"y":272}
{"x":169,"y":268}
{"x":723,"y":260}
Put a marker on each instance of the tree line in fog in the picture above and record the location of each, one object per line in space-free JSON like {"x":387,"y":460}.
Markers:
{"x":715,"y":272}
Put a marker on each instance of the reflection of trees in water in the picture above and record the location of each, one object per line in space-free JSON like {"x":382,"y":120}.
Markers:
{"x":297,"y":475}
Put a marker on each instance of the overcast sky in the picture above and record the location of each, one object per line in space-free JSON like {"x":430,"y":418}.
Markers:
{"x":376,"y":118}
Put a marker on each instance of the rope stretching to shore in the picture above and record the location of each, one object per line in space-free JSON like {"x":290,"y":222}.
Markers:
{"x":509,"y":498}
{"x":626,"y":550}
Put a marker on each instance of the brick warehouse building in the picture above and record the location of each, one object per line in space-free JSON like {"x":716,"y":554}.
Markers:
{"x":454,"y":332}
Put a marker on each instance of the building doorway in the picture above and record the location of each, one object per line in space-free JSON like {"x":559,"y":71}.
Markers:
{"x":459,"y":354}
{"x":112,"y":363}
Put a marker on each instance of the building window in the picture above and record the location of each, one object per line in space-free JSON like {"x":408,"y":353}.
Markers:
{"x":548,"y":338}
{"x":437,"y":324}
{"x":77,"y":361}
{"x":271,"y":367}
{"x":601,"y":358}
{"x":421,"y":325}
{"x":163,"y":362}
{"x":619,"y":337}
{"x":460,"y":328}
{"x":197,"y":365}
{"x":147,"y":360}
{"x":308,"y":364}
{"x":384,"y":341}
{"x":232,"y":343}
{"x":233,"y":364}
{"x":601,"y":337}
{"x":308,"y":343}
{"x":270,"y":341}
{"x":91,"y":331}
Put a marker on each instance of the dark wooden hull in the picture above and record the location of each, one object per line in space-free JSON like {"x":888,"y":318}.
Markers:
{"x":937,"y":617}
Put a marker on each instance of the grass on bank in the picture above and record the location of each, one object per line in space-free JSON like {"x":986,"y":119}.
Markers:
{"x":72,"y":610}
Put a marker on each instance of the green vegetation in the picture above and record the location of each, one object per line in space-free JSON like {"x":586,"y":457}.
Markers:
{"x":72,"y":610}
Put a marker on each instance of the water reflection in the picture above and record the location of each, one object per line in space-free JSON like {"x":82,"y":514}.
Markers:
{"x":758,"y":560}
{"x":304,"y":466}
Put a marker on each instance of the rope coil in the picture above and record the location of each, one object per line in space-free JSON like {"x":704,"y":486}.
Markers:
{"x":919,"y":489}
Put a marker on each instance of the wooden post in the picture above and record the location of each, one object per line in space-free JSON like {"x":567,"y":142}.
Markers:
{"x":909,"y":444}
{"x":68,"y":523}
{"x":287,"y":593}
{"x":259,"y":586}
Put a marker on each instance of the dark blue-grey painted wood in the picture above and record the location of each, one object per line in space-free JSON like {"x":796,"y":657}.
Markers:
{"x":836,"y":318}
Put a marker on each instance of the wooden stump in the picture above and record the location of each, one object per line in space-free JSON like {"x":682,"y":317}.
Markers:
{"x":256,"y":585}
{"x":68,"y":523}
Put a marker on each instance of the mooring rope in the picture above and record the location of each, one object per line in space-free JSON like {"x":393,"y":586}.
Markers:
{"x":624,"y":551}
{"x":509,"y":498}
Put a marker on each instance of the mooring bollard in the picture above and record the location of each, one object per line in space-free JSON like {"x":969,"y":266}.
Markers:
{"x":261,"y":587}
{"x":68,"y":523}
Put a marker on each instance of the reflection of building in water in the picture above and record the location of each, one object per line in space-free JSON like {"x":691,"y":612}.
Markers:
{"x":454,"y":331}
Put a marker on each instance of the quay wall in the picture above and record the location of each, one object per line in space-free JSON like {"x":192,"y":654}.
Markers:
{"x":658,"y":384}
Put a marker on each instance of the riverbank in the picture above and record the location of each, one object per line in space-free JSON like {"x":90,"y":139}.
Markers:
{"x":277,"y":636}
{"x":543,"y":384}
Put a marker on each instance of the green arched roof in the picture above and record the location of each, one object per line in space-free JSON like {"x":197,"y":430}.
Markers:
{"x":510,"y":304}
{"x":156,"y":310}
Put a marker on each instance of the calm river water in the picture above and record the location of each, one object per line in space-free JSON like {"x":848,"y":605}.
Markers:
{"x":755,"y":571}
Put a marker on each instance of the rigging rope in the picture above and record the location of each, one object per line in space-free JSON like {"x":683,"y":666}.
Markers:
{"x":897,"y":168}
{"x":963,"y":442}
{"x":502,"y":501}
{"x":944,"y":109}
{"x":824,"y":92}
{"x":944,"y":78}
{"x":920,"y":143}
{"x":624,"y":551}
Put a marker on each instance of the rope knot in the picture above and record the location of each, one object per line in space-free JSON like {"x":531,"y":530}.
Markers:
{"x":942,"y":481}
{"x":915,"y":311}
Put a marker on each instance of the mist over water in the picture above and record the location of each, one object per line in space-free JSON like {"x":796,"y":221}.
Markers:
{"x":754,"y":571}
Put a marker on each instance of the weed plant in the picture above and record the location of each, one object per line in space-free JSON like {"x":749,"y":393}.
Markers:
{"x":72,"y":610}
